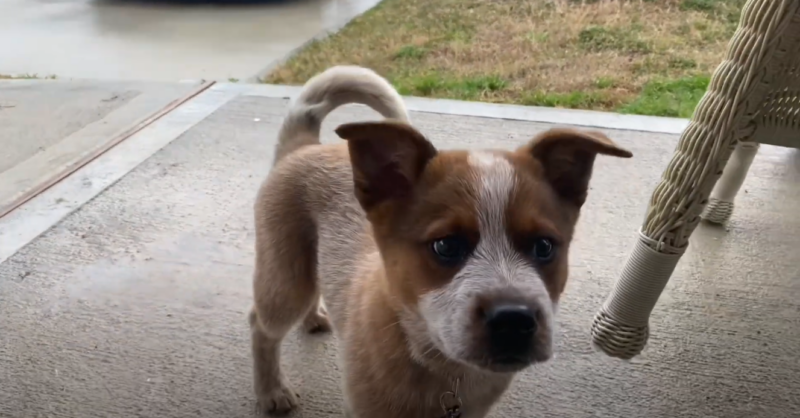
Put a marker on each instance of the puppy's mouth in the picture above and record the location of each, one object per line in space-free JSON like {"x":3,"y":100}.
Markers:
{"x":483,"y":355}
{"x":507,"y":364}
{"x":510,"y":363}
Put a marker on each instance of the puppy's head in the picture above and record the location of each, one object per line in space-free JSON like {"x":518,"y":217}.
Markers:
{"x":475,"y":243}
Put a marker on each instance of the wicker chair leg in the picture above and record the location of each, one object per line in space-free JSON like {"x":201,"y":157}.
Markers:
{"x":762,"y":56}
{"x":720,"y":205}
{"x":620,"y":328}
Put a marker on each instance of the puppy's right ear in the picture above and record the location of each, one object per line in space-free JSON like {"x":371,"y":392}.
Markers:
{"x":387,"y":158}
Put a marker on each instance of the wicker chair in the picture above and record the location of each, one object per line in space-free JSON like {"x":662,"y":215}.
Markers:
{"x":753,"y":98}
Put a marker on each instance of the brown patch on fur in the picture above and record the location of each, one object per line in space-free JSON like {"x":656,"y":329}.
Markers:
{"x":555,"y":166}
{"x":567,"y":157}
{"x":442,"y":203}
{"x":387,"y":159}
{"x":535,"y":211}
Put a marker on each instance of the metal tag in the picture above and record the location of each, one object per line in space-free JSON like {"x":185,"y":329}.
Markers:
{"x":455,"y":410}
{"x":452,"y":413}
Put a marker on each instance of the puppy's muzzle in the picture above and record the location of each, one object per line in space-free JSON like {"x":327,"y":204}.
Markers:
{"x":511,"y":331}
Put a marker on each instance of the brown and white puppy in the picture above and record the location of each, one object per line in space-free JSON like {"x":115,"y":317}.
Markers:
{"x":440,"y":270}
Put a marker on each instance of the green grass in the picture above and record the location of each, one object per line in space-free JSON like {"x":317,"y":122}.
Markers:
{"x":681,"y":63}
{"x":676,"y":98}
{"x":432,"y":84}
{"x":538,"y":37}
{"x":601,"y":38}
{"x":604,"y":83}
{"x":573,"y":100}
{"x":411,"y":52}
{"x":651,"y":57}
{"x":701,"y":5}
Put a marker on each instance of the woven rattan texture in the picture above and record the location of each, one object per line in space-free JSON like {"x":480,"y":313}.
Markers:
{"x":744,"y":95}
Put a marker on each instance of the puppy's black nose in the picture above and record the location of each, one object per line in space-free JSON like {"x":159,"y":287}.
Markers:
{"x":511,"y":330}
{"x":510,"y":320}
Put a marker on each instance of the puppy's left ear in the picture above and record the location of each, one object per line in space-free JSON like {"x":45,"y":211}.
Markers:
{"x":388,"y":158}
{"x":567,"y":157}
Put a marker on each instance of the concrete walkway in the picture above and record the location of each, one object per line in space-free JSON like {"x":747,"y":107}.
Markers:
{"x":137,"y":40}
{"x":124,"y":288}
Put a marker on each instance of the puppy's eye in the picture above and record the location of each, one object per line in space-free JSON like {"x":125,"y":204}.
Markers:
{"x":451,"y":250}
{"x":543,"y":250}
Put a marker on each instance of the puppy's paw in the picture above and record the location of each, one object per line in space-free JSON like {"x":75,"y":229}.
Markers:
{"x":317,"y":322}
{"x":278,"y":401}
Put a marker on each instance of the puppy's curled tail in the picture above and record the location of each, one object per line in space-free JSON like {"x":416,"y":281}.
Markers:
{"x":328,"y":90}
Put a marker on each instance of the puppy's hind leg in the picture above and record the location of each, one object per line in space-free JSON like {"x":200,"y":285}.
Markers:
{"x":285,"y":289}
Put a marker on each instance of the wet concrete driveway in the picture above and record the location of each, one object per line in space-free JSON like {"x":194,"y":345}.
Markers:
{"x":120,"y":40}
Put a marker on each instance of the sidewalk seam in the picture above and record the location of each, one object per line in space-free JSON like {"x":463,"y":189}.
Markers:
{"x":574,"y":117}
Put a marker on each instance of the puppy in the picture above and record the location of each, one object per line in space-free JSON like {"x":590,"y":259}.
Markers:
{"x":440,"y":271}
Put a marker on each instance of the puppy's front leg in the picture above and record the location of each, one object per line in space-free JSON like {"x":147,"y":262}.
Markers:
{"x":274,"y":394}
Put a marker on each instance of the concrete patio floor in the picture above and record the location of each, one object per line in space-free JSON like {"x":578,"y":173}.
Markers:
{"x":124,"y":288}
{"x":49,"y":128}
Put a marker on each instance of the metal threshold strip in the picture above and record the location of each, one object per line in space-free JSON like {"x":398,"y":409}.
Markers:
{"x":60,"y":175}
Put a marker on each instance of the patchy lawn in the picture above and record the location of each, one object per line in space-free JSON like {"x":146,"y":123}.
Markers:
{"x":651,"y":57}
